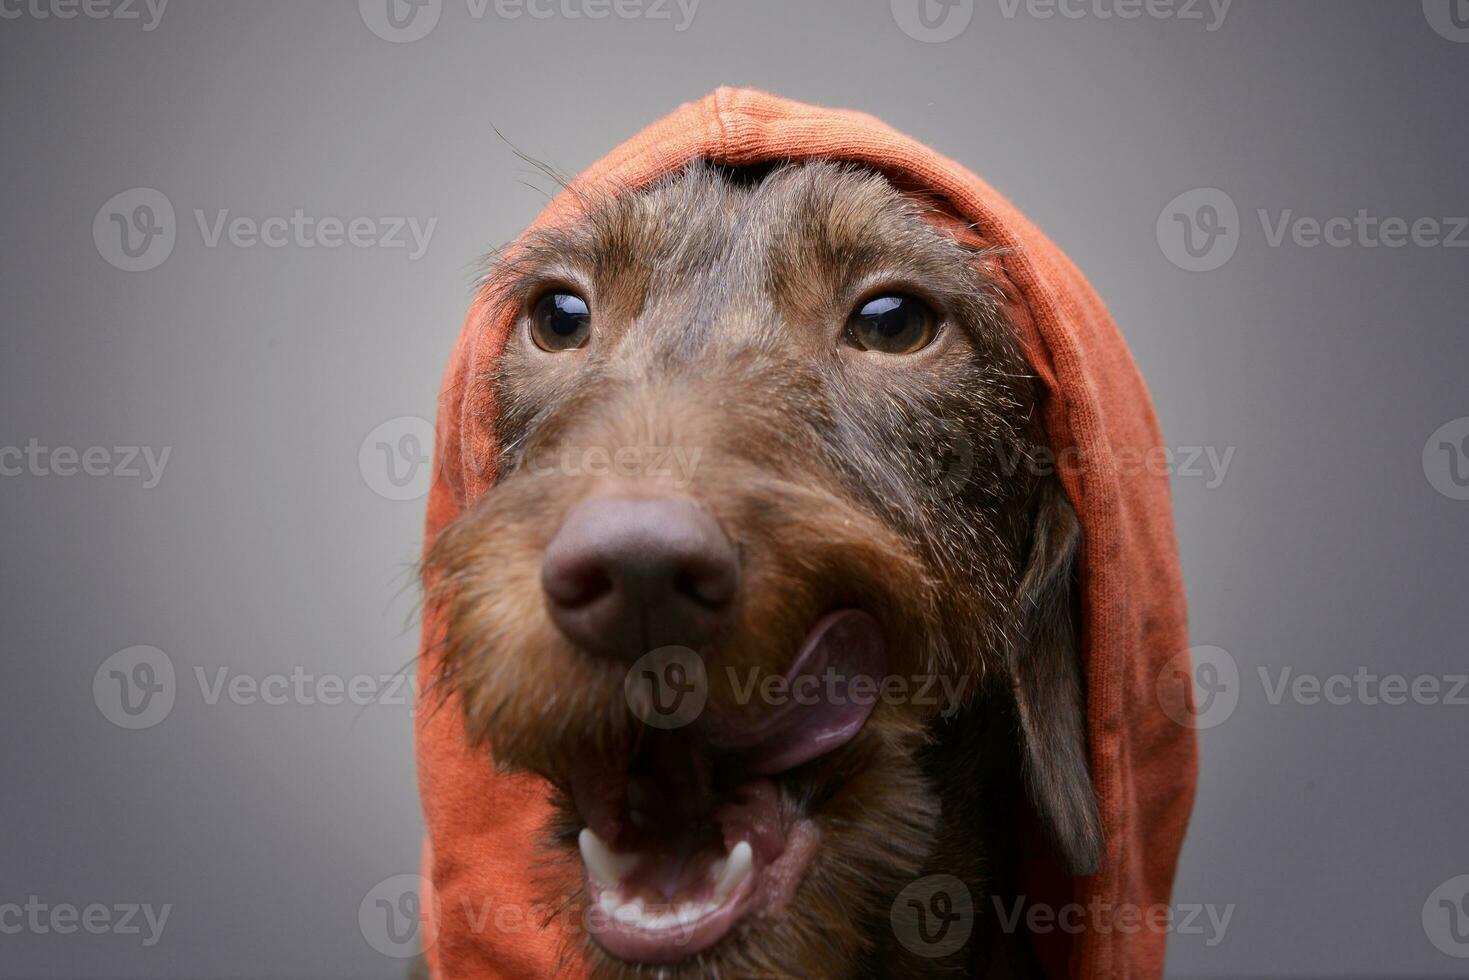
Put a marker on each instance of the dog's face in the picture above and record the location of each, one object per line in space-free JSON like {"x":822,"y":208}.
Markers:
{"x":763,"y":532}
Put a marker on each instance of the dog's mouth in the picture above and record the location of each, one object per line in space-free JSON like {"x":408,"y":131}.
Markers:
{"x":666,"y":893}
{"x":698,"y":830}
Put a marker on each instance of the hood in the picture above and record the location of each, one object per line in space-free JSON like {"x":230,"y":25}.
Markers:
{"x":483,"y":827}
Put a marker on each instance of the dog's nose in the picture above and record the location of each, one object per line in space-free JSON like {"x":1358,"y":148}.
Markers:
{"x":626,"y":575}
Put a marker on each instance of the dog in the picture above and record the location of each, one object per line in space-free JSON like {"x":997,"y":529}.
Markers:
{"x":766,"y":439}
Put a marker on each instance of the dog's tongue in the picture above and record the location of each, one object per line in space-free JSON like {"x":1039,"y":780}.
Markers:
{"x":827,"y":695}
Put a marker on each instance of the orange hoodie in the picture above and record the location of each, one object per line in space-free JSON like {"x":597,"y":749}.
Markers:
{"x":482,"y":827}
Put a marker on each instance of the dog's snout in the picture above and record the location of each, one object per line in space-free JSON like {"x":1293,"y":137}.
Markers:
{"x":626,"y":575}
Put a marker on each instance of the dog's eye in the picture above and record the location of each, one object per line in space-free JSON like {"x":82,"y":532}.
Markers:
{"x":560,"y":321}
{"x":892,"y":324}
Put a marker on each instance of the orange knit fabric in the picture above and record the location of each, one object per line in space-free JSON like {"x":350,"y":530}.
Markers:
{"x":482,"y":826}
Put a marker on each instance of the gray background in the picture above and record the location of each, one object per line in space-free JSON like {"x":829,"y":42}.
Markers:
{"x":265,"y":548}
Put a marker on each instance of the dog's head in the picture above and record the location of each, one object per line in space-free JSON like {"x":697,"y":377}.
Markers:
{"x":764,"y":529}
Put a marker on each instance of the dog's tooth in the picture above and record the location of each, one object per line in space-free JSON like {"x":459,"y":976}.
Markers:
{"x":604,"y":865}
{"x":630,"y":913}
{"x":741,"y":862}
{"x":666,"y":916}
{"x":692,"y":912}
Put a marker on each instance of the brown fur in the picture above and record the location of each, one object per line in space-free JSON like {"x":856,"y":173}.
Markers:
{"x":718,"y":304}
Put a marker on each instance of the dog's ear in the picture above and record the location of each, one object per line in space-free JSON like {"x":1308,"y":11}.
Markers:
{"x":1046,"y":672}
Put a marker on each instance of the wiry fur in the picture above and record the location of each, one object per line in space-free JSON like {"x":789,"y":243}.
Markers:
{"x":718,"y":300}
